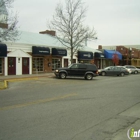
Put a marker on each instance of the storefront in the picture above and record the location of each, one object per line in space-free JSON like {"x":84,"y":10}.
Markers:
{"x":99,"y":60}
{"x":57,"y":58}
{"x":41,"y":59}
{"x":109,"y":54}
{"x":3,"y":54}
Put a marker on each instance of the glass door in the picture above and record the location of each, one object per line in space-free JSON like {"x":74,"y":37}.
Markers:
{"x":56,"y":63}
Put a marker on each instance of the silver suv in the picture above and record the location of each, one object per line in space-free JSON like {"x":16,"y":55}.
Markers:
{"x":133,"y":69}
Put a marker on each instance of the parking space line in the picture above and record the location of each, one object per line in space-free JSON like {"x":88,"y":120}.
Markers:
{"x":37,"y":102}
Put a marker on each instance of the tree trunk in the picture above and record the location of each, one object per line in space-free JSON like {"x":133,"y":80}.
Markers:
{"x":71,"y":55}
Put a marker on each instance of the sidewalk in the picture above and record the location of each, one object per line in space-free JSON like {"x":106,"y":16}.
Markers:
{"x":5,"y":79}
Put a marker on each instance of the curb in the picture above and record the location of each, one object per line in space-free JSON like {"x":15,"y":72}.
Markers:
{"x":4,"y":84}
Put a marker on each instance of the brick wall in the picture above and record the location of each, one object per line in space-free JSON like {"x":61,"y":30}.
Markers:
{"x":123,"y":50}
{"x":134,"y":53}
{"x":47,"y":61}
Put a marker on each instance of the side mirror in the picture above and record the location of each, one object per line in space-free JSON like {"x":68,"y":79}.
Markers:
{"x":108,"y":68}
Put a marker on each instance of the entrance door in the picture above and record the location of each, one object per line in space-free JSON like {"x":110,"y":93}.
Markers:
{"x":65,"y":62}
{"x":25,"y":65}
{"x":11,"y":66}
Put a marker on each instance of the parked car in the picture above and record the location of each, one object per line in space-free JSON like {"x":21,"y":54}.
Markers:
{"x":88,"y":71}
{"x":113,"y":70}
{"x":133,"y":69}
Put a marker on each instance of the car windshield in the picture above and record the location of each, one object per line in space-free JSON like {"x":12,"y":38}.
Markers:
{"x":70,"y":65}
{"x":107,"y":68}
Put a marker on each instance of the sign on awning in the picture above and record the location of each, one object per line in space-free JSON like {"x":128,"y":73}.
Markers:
{"x":40,"y":50}
{"x":84,"y":55}
{"x":59,"y":52}
{"x":98,"y":55}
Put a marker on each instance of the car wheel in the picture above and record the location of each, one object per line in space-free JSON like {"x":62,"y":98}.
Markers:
{"x":122,"y":74}
{"x":135,"y":72}
{"x":62,"y":75}
{"x":103,"y":73}
{"x":89,"y":76}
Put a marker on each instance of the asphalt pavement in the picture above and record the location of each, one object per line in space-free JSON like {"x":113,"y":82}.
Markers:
{"x":105,"y":108}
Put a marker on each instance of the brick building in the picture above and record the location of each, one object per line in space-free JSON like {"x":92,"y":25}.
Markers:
{"x":130,"y":54}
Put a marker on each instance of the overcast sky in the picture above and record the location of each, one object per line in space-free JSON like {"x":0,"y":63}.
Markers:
{"x":117,"y":22}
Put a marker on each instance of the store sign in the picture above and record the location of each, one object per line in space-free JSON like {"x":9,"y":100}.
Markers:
{"x":83,"y":55}
{"x":59,"y":52}
{"x":40,"y":50}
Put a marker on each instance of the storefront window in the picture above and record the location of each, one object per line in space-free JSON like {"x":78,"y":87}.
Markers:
{"x":38,"y":64}
{"x":0,"y":65}
{"x":56,"y":63}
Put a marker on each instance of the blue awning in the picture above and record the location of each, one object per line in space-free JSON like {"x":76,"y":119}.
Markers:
{"x":3,"y":50}
{"x":110,"y":53}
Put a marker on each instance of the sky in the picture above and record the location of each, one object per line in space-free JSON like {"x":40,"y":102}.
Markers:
{"x":117,"y":22}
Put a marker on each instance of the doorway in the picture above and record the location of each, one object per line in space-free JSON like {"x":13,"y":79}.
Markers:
{"x":65,"y":62}
{"x":25,"y":65}
{"x":56,"y":63}
{"x":11,"y":66}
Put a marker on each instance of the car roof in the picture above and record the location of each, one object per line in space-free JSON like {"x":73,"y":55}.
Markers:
{"x":83,"y":63}
{"x":129,"y":65}
{"x":119,"y":66}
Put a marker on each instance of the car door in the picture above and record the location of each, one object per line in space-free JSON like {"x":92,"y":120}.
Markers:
{"x":132,"y":68}
{"x":116,"y":70}
{"x":73,"y":70}
{"x":82,"y":70}
{"x":109,"y":70}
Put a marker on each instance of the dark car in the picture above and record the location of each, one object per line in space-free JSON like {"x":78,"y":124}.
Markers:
{"x":113,"y":70}
{"x":133,"y":69}
{"x":88,"y":71}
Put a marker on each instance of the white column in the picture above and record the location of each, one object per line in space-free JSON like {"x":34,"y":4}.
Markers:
{"x":5,"y":66}
{"x":18,"y":65}
{"x":30,"y":65}
{"x":62,"y":61}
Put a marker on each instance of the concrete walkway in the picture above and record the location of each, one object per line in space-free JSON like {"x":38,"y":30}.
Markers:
{"x":10,"y":78}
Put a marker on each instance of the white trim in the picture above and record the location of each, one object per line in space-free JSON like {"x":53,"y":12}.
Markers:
{"x":18,"y":53}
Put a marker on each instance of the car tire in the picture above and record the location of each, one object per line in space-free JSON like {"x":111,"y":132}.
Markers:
{"x":62,"y":75}
{"x":88,"y":76}
{"x":103,"y":73}
{"x":135,"y":72}
{"x":122,"y":74}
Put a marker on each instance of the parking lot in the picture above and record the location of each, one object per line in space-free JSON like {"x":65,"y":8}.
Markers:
{"x":73,"y":108}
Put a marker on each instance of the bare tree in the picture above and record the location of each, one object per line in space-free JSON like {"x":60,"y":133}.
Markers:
{"x":68,"y":23}
{"x":8,"y":23}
